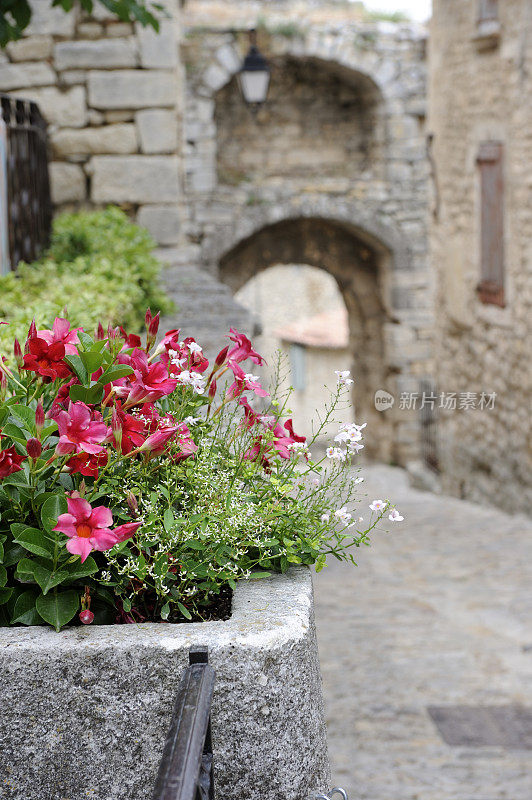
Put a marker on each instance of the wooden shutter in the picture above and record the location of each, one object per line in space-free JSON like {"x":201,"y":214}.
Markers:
{"x":488,"y":10}
{"x":491,"y":286}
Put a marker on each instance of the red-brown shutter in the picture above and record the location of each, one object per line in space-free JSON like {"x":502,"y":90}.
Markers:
{"x":491,"y":286}
{"x":488,"y":9}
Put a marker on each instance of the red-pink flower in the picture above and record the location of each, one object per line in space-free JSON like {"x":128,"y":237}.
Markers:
{"x":90,"y":528}
{"x":243,"y":382}
{"x":80,"y":430}
{"x":250,"y":416}
{"x":185,"y":355}
{"x":61,"y":332}
{"x":148,"y":383}
{"x":242,"y":349}
{"x":127,"y":431}
{"x":46,"y":359}
{"x":10,"y":462}
{"x":87,"y":464}
{"x":185,"y":442}
{"x":156,"y":442}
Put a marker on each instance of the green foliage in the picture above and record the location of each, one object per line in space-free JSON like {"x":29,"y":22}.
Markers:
{"x":99,"y":267}
{"x":15,"y":15}
{"x":386,"y":16}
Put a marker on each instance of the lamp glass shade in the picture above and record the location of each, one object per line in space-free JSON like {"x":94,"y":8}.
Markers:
{"x":254,"y":85}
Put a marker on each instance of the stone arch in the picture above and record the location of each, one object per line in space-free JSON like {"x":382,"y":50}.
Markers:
{"x":358,"y":261}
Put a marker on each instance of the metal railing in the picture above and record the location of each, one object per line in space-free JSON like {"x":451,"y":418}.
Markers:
{"x":186,"y":769}
{"x":27,"y":208}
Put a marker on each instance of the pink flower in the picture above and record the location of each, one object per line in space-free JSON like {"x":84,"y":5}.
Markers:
{"x":244,"y":382}
{"x":61,"y":333}
{"x":242,"y":349}
{"x":148,"y":383}
{"x":185,"y":442}
{"x":185,"y":355}
{"x":87,"y":464}
{"x":88,"y":528}
{"x":156,"y":442}
{"x":80,"y":430}
{"x":127,"y":431}
{"x":250,"y":416}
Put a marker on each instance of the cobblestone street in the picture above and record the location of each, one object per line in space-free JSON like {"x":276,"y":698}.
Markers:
{"x":438,"y":614}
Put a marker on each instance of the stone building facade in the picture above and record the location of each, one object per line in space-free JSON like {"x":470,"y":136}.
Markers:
{"x":331,"y":172}
{"x":481,"y":243}
{"x":110,"y":92}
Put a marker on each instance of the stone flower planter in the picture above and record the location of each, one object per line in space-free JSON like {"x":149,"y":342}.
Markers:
{"x":84,"y":712}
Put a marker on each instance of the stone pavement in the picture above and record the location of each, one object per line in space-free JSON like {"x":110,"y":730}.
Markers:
{"x":438,"y":614}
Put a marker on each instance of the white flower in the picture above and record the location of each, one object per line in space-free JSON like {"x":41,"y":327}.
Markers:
{"x":194,"y":347}
{"x":361,"y":519}
{"x":192,"y":420}
{"x":315,"y":481}
{"x":355,"y":447}
{"x":250,"y":377}
{"x":330,"y":452}
{"x":342,"y":514}
{"x":378,"y":505}
{"x":343,"y":436}
{"x":343,"y":377}
{"x":358,"y":480}
{"x":336,"y":453}
{"x":395,"y":516}
{"x":325,"y":517}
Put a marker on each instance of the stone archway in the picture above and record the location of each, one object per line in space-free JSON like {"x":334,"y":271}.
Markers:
{"x":356,"y":265}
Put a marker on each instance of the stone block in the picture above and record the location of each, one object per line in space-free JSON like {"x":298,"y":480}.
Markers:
{"x":73,"y":77}
{"x":47,"y":19}
{"x":66,"y":108}
{"x":90,"y":30}
{"x":20,"y":76}
{"x":113,"y":688}
{"x":157,"y":129}
{"x":67,"y":183}
{"x":229,"y":58}
{"x":90,"y":141}
{"x":135,"y":179}
{"x":34,"y":48}
{"x":162,"y":221}
{"x":158,"y":50}
{"x":106,"y":53}
{"x":132,"y":89}
{"x":215,"y":77}
{"x":113,"y":117}
{"x":119,"y":29}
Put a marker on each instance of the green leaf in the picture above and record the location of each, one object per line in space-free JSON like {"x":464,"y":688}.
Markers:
{"x":165,"y":611}
{"x":92,"y":361}
{"x":78,"y":368}
{"x":168,"y":519}
{"x":5,"y":594}
{"x":26,"y":416}
{"x":47,"y":578}
{"x":13,"y":554}
{"x":3,"y":576}
{"x":257,"y":575}
{"x":14,"y":432}
{"x":78,"y":570}
{"x":24,"y":570}
{"x":51,"y":509}
{"x":25,"y":612}
{"x":115,"y":372}
{"x":86,"y":340}
{"x":33,"y":539}
{"x":58,"y":608}
{"x":186,"y":613}
{"x":91,"y":395}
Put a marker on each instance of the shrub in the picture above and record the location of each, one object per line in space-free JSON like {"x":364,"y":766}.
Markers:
{"x":99,"y":266}
{"x":138,"y":484}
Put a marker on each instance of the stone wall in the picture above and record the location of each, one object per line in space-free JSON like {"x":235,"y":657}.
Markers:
{"x":110,"y":92}
{"x":481,"y":90}
{"x":339,"y":148}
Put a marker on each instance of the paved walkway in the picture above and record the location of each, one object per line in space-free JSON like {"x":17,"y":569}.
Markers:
{"x":438,"y":613}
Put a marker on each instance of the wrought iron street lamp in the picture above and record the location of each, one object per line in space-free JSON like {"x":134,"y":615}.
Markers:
{"x":254,"y":77}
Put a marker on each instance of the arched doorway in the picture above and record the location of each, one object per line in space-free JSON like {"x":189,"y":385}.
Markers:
{"x":356,"y":266}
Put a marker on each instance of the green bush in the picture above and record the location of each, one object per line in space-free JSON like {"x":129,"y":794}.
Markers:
{"x":99,"y":267}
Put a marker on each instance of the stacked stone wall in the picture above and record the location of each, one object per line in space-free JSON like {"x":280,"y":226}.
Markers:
{"x":481,"y":90}
{"x":111,"y":94}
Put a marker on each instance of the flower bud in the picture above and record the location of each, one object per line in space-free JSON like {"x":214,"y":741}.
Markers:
{"x":212,"y":389}
{"x":3,"y":385}
{"x":17,"y":351}
{"x":154,"y":325}
{"x":32,"y":333}
{"x":148,"y":318}
{"x":86,"y":617}
{"x":33,"y":448}
{"x":39,"y":417}
{"x":132,"y":503}
{"x":220,"y":358}
{"x":116,"y":427}
{"x":100,"y":333}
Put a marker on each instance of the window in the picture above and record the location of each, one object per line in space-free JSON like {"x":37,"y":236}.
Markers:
{"x":491,"y":286}
{"x":488,"y":10}
{"x":297,"y":366}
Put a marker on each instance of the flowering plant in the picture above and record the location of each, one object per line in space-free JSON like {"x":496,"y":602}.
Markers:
{"x":138,"y":483}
